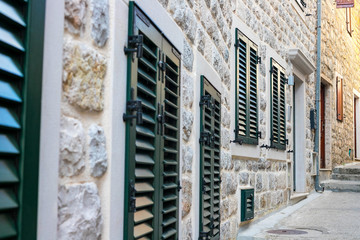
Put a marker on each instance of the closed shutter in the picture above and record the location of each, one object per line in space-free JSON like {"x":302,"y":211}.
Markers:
{"x":210,"y":128}
{"x":152,"y":156}
{"x":278,"y":134}
{"x":246,"y":90}
{"x":339,"y":99}
{"x":19,"y":116}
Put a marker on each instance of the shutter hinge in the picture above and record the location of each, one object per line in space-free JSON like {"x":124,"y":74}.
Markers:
{"x":237,"y":44}
{"x":267,"y":146}
{"x":208,"y":101}
{"x":135,"y":44}
{"x":239,"y":141}
{"x":207,"y":138}
{"x":131,"y":106}
{"x":179,"y":187}
{"x":258,"y":60}
{"x":287,"y":141}
{"x":290,"y":151}
{"x":161,"y":119}
{"x":258,"y":134}
{"x":132,"y":197}
{"x":271,"y":70}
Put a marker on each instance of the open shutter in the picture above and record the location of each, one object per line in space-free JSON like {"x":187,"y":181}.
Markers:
{"x":152,"y":157}
{"x":170,"y":143}
{"x":246,"y":90}
{"x":210,"y":128}
{"x":278,"y":133}
{"x":20,"y":96}
{"x":339,"y":99}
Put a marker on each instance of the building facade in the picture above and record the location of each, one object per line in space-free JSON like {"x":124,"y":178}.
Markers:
{"x":340,"y":90}
{"x":173,"y":119}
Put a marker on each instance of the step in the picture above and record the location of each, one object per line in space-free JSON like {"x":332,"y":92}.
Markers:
{"x":341,"y":185}
{"x":346,"y":177}
{"x":348,"y":169}
{"x":297,"y":197}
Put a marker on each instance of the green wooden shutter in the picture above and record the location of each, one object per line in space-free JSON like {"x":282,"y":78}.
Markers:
{"x":153,"y":146}
{"x":246,"y":90}
{"x":278,"y":134}
{"x":169,"y":149}
{"x":210,"y":128}
{"x":20,"y":95}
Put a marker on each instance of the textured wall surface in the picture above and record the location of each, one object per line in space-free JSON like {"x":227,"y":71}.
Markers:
{"x":83,"y":152}
{"x":340,"y":57}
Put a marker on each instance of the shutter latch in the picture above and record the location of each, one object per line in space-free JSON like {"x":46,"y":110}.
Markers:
{"x":135,"y":44}
{"x":207,"y":138}
{"x":132,"y":197}
{"x":204,"y":236}
{"x":179,"y":186}
{"x":131,"y":106}
{"x":207,"y":100}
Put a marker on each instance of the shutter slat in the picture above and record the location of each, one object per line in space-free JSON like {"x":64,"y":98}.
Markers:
{"x":10,"y":66}
{"x":9,"y":39}
{"x":8,"y":119}
{"x":142,"y":230}
{"x":143,"y":202}
{"x":7,"y":227}
{"x":7,"y":200}
{"x":143,"y":215}
{"x":143,"y":187}
{"x":9,"y":92}
{"x":11,"y":13}
{"x":8,"y":145}
{"x":8,"y":172}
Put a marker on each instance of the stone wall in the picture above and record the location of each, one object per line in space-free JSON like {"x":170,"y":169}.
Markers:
{"x":83,"y":150}
{"x":340,"y":57}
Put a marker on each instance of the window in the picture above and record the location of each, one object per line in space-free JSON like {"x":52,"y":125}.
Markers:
{"x":277,"y":102}
{"x":339,"y":99}
{"x":152,"y":133}
{"x":301,"y":3}
{"x":348,"y":21}
{"x":246,"y":90}
{"x":210,"y":131}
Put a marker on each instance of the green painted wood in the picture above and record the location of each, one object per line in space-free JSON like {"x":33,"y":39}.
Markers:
{"x":21,"y":29}
{"x":210,"y":163}
{"x":247,"y":204}
{"x":277,"y":101}
{"x":246,"y":90}
{"x":154,"y":146}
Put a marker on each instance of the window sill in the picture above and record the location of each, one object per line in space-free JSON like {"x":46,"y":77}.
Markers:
{"x":245,"y":151}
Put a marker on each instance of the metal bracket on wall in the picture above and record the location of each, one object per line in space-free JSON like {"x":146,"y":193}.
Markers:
{"x":266,"y":146}
{"x":135,"y":44}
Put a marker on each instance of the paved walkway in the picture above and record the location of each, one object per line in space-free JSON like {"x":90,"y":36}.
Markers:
{"x":330,"y":215}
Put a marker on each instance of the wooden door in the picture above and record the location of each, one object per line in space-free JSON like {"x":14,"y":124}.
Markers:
{"x":322,"y":127}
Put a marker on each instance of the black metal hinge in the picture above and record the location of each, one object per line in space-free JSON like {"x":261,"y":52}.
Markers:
{"x":135,"y":44}
{"x":131,"y":106}
{"x":162,"y":66}
{"x":132,"y":197}
{"x":258,"y":60}
{"x":207,"y":138}
{"x":271,"y":70}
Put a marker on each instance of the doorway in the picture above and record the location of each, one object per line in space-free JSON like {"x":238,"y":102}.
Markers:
{"x":356,"y":125}
{"x":299,"y":184}
{"x":322,"y":126}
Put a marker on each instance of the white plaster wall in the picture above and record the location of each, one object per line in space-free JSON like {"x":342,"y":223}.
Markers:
{"x":50,"y":120}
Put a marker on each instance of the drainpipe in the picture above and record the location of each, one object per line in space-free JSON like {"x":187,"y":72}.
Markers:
{"x":317,"y":101}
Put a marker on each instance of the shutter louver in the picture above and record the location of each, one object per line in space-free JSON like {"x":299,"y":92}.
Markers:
{"x":145,"y":143}
{"x":154,"y":144}
{"x":170,"y":180}
{"x":247,"y":71}
{"x":12,"y":58}
{"x":278,"y":134}
{"x":210,"y":163}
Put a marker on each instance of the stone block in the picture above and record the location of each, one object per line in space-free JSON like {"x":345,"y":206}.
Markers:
{"x":188,"y":56}
{"x":187,"y":83}
{"x":99,"y":21}
{"x":97,"y":151}
{"x":79,"y":212}
{"x":187,"y":124}
{"x":83,"y":76}
{"x":75,"y":16}
{"x":72,"y":140}
{"x":186,"y":184}
{"x":187,"y":158}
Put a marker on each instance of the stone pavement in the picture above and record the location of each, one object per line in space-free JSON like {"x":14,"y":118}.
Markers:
{"x":330,"y":215}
